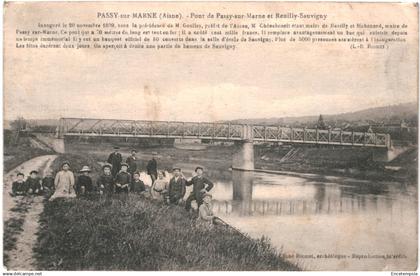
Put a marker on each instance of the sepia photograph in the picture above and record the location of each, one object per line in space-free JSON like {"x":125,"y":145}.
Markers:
{"x":210,"y":136}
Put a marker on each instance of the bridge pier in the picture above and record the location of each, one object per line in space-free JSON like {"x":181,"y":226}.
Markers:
{"x":59,"y":145}
{"x":387,"y":154}
{"x":242,"y":182}
{"x":243,"y":158}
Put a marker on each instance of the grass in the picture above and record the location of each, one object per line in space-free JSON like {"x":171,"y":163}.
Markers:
{"x":13,"y":227}
{"x":140,"y":234}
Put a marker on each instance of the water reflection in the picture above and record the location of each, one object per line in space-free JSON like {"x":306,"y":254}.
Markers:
{"x":323,"y":215}
{"x":256,"y":194}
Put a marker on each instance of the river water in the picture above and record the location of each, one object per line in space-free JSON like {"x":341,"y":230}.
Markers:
{"x":321,"y":222}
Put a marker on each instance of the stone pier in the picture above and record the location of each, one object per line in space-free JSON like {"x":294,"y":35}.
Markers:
{"x":243,"y":158}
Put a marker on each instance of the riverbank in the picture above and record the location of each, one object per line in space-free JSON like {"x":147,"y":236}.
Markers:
{"x":25,"y":149}
{"x":140,"y":234}
{"x":340,"y":162}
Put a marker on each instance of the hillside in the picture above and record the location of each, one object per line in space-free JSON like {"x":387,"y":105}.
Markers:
{"x":406,"y":111}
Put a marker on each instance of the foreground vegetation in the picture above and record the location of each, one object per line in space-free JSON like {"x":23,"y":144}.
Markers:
{"x":139,"y":234}
{"x":13,"y":227}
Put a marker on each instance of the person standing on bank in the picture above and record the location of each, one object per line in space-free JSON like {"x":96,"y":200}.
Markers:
{"x":132,"y":162}
{"x":64,"y":182}
{"x":152,"y":168}
{"x":106,"y":181}
{"x":176,"y":186}
{"x":201,"y":185}
{"x":115,"y":160}
{"x":123,"y":180}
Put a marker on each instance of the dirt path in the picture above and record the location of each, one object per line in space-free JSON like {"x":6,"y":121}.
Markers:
{"x":21,"y":258}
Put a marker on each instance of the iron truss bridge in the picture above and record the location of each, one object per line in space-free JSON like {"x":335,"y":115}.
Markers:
{"x":217,"y":131}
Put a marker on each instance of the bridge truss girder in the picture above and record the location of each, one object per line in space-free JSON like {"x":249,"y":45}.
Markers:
{"x":218,"y":131}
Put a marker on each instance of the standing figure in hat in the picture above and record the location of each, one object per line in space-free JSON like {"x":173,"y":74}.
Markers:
{"x":132,"y":162}
{"x":84,"y":182}
{"x":115,"y":160}
{"x":123,"y":180}
{"x":64,"y":183}
{"x":19,"y":186}
{"x":106,"y":181}
{"x":160,"y":187}
{"x":201,"y":184}
{"x":152,"y":167}
{"x":34,"y":183}
{"x":176,"y":186}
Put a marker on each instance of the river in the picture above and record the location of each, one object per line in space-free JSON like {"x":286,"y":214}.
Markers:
{"x":321,"y":222}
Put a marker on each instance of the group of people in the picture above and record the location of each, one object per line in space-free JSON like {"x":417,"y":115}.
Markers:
{"x":33,"y":185}
{"x":118,"y":177}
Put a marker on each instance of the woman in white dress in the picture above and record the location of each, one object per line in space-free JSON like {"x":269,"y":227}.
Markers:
{"x":64,"y":183}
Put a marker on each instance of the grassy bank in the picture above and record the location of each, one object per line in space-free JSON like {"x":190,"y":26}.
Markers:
{"x":139,"y":234}
{"x":15,"y":154}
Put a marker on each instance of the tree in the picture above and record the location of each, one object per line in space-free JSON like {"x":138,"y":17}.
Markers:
{"x":321,"y":124}
{"x":19,"y":124}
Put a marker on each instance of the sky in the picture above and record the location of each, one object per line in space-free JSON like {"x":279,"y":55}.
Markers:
{"x":254,"y":81}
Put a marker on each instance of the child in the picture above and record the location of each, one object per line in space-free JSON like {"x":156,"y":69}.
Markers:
{"x":64,"y":182}
{"x":137,"y":186}
{"x":160,"y":187}
{"x":48,"y":182}
{"x":122,"y":180}
{"x":106,"y":181}
{"x":34,"y":183}
{"x":84,"y":182}
{"x":19,"y":186}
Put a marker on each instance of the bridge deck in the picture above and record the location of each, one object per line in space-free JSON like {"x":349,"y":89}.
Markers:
{"x":217,"y":131}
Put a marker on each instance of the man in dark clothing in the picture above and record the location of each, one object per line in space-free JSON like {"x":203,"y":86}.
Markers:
{"x":34,"y":183}
{"x":106,"y":181}
{"x":123,"y":180}
{"x":115,"y":160}
{"x":152,"y":168}
{"x":19,"y":186}
{"x":199,"y":183}
{"x":176,"y":186}
{"x":137,"y":186}
{"x":132,"y":162}
{"x":84,"y":182}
